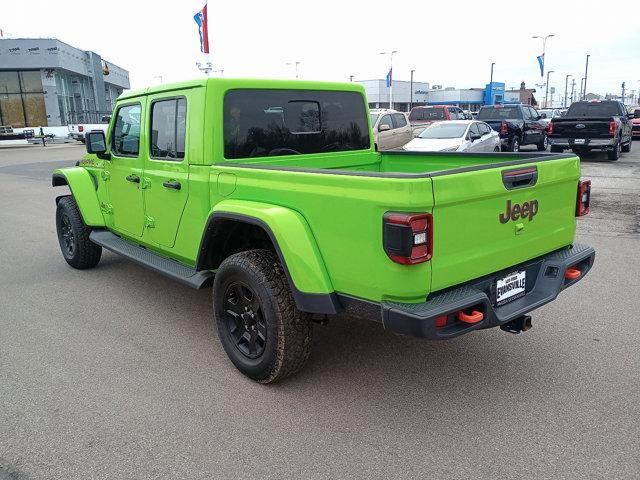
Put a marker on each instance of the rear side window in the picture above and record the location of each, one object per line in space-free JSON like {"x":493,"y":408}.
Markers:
{"x":499,"y":113}
{"x":168,"y":129}
{"x":261,"y":123}
{"x":400,"y":120}
{"x":484,"y":128}
{"x":125,"y":140}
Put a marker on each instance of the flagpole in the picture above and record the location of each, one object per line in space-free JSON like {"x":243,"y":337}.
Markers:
{"x":390,"y":76}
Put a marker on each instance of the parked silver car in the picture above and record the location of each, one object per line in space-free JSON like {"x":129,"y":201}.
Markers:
{"x":456,"y":136}
{"x":390,"y":128}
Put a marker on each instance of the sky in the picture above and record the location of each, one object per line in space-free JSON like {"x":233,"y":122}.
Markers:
{"x":448,"y":43}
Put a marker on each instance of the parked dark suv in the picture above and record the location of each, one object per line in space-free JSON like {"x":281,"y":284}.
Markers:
{"x":517,"y":125}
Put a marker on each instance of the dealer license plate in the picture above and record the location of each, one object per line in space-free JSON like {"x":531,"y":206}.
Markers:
{"x":579,"y":141}
{"x":510,"y":287}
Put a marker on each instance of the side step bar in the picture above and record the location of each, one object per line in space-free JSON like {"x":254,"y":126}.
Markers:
{"x":170,"y":268}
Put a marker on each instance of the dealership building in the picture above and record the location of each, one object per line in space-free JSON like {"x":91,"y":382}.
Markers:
{"x":46,"y":82}
{"x":466,"y":98}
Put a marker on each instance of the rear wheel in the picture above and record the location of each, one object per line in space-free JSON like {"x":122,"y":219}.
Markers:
{"x":73,"y":236}
{"x":542,"y":146}
{"x":265,"y":336}
{"x":614,"y":154}
{"x":626,"y":148}
{"x":497,"y":149}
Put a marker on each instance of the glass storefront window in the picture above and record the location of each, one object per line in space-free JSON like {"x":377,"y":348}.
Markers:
{"x":22,"y":99}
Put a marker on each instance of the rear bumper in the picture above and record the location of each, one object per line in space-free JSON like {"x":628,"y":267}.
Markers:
{"x":589,"y":143}
{"x":545,"y":279}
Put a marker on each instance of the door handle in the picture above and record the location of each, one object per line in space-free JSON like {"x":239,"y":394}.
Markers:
{"x":172,"y":184}
{"x":133,"y":178}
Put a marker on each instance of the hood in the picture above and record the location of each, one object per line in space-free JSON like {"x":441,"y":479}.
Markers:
{"x":432,"y":144}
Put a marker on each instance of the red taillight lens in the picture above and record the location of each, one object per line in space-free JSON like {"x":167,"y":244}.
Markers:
{"x":584,"y":197}
{"x":503,"y":128}
{"x":613,"y":127}
{"x":408,"y":237}
{"x":80,"y":128}
{"x":550,"y":128}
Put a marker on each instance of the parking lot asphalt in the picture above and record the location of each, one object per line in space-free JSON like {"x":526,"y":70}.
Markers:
{"x":117,"y":372}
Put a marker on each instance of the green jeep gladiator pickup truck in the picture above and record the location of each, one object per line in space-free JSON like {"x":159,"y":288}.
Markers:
{"x":272,"y":193}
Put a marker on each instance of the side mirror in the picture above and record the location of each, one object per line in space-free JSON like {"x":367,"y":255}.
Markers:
{"x":384,"y":127}
{"x":542,"y":115}
{"x":96,"y":143}
{"x":474,"y":136}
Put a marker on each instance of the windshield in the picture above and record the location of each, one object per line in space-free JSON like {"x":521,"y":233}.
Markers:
{"x":596,"y":109}
{"x":498,"y":113}
{"x":444,"y":130}
{"x":374,"y":118}
{"x":427,"y":114}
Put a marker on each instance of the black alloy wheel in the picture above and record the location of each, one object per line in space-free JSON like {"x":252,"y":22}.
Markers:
{"x":244,"y":319}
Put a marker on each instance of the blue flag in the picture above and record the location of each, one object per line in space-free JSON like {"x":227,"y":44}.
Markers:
{"x":389,"y":79}
{"x":541,"y":63}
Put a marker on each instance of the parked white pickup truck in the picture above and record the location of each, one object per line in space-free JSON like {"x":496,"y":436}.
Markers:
{"x":78,"y":130}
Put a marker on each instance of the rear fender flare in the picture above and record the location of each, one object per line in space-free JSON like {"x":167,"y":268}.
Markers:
{"x":295,"y":245}
{"x":83,"y":188}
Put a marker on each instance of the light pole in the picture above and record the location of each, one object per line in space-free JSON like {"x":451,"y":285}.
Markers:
{"x":566,"y":84}
{"x":491,"y":76}
{"x":573,"y":88}
{"x":296,"y":63}
{"x":546,"y":93}
{"x":581,"y":85}
{"x":586,"y":72}
{"x":411,"y":94}
{"x":351,"y":78}
{"x":390,"y":75}
{"x":544,"y":50}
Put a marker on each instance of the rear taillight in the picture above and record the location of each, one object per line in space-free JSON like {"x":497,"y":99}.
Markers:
{"x":613,"y":127}
{"x":503,"y":128}
{"x":408,"y":237}
{"x":80,"y":128}
{"x":584,"y":196}
{"x":550,"y":128}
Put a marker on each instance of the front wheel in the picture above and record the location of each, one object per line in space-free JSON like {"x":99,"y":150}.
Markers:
{"x":265,"y":336}
{"x":626,"y":148}
{"x":515,"y":145}
{"x":73,"y":236}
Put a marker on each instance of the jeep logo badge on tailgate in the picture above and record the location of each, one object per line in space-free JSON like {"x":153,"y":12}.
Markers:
{"x":516,"y":211}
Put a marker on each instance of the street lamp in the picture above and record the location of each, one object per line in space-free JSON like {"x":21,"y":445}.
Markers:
{"x":391,"y":76}
{"x":296,"y":63}
{"x":544,"y":49}
{"x":351,"y":78}
{"x":566,"y":85}
{"x":491,"y":77}
{"x":546,"y":93}
{"x":411,"y":94}
{"x":586,"y":71}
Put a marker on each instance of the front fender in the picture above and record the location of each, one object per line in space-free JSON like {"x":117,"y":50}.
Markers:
{"x":296,"y":246}
{"x":83,"y":188}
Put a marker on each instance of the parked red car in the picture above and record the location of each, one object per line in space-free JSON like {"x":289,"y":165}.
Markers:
{"x":421,"y":117}
{"x":635,"y":124}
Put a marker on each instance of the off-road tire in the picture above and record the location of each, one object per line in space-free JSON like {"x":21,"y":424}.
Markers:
{"x":614,"y":154}
{"x":542,"y":146}
{"x":288,"y":331}
{"x":556,"y":149}
{"x":626,"y":148}
{"x":73,"y":236}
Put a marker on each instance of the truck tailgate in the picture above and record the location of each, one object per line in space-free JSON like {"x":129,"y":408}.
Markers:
{"x":580,"y":128}
{"x":474,"y":235}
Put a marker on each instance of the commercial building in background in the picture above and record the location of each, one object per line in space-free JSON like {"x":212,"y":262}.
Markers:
{"x":378,"y":93}
{"x":523,"y":95}
{"x":466,"y":98}
{"x":46,"y":82}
